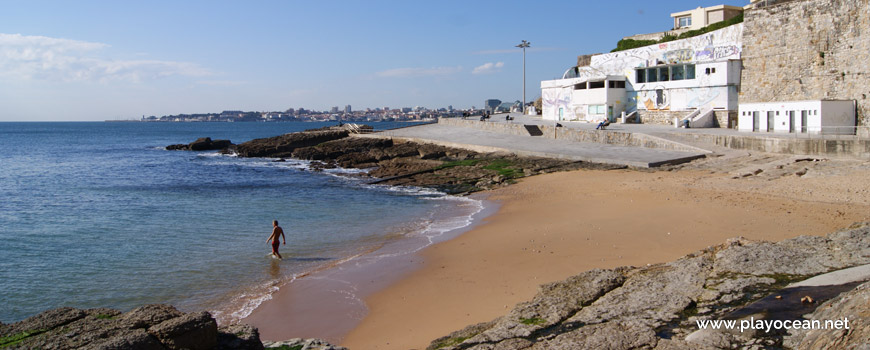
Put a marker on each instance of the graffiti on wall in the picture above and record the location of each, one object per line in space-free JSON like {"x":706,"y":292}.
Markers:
{"x":678,"y":56}
{"x":552,"y":100}
{"x":658,"y":99}
{"x":725,"y":43}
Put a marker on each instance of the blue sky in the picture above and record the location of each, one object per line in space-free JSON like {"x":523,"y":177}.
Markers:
{"x":97,"y":60}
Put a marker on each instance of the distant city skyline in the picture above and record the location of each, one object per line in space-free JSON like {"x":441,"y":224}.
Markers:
{"x":98,"y":60}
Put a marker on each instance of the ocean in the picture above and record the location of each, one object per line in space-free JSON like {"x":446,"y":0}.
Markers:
{"x":98,"y":214}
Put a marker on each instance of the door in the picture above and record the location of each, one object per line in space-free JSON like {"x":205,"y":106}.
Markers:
{"x":804,"y":122}
{"x":610,"y":114}
{"x":561,"y":113}
{"x":755,"y":121}
{"x":791,"y":122}
{"x":770,"y":121}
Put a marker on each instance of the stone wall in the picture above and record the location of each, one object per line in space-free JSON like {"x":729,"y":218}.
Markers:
{"x":667,"y":117}
{"x":808,"y":50}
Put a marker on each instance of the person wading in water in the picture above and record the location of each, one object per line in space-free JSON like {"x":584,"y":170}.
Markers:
{"x":276,"y":231}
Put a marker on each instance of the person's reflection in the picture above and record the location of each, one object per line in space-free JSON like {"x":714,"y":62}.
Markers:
{"x":275,"y":268}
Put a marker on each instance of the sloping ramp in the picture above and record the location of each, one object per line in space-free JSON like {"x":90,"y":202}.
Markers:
{"x":533,"y":130}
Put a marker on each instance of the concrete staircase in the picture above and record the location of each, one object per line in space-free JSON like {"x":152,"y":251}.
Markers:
{"x":533,"y":130}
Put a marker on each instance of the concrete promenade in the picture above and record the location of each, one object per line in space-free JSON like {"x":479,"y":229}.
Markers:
{"x":540,"y":146}
{"x":638,"y":145}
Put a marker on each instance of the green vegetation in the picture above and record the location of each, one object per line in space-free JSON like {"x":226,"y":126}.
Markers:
{"x":626,"y":44}
{"x":287,"y":347}
{"x":533,"y":321}
{"x":501,"y":166}
{"x":15,"y":338}
{"x":450,"y":342}
{"x":466,"y":162}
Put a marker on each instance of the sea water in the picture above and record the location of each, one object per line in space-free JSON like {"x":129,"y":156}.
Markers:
{"x":100,"y":215}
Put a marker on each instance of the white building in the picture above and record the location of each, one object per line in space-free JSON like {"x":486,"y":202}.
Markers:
{"x":803,"y":117}
{"x":704,"y":16}
{"x":660,"y":82}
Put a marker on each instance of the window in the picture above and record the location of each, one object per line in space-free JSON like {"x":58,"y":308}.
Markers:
{"x":616,"y":84}
{"x":684,"y":21}
{"x":596,"y":109}
{"x":678,"y":73}
{"x":581,"y":86}
{"x":596,"y":84}
{"x":651,"y":75}
{"x":664,"y":74}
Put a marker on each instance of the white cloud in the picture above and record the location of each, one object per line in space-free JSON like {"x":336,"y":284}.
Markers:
{"x":488,"y":68}
{"x":418,"y":72}
{"x":44,"y":58}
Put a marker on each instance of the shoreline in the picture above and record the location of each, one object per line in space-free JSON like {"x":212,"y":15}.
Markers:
{"x":329,"y":302}
{"x":553,"y":226}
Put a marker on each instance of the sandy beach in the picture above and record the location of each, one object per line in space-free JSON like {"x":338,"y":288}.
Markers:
{"x":553,"y":226}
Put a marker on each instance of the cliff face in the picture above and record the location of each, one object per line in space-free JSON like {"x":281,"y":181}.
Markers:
{"x":659,"y":306}
{"x":808,"y":50}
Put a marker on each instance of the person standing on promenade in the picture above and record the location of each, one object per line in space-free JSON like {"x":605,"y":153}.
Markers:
{"x":276,"y":231}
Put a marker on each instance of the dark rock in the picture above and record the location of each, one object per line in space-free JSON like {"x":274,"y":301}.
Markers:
{"x":238,"y":337}
{"x":149,"y":315}
{"x":284,"y":145}
{"x":196,"y":331}
{"x":137,"y":339}
{"x":201,"y":144}
{"x":151,"y":327}
{"x":853,"y":306}
{"x":45,"y":320}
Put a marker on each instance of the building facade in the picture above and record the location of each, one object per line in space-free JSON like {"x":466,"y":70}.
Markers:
{"x":704,"y":16}
{"x":798,"y":117}
{"x":659,"y":82}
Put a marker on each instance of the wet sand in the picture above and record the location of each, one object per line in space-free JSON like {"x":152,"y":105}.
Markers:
{"x":554,"y":226}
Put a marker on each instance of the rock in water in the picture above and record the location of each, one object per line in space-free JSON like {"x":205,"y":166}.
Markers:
{"x":201,"y":144}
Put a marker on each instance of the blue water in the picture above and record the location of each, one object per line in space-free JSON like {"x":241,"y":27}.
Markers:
{"x":99,"y":215}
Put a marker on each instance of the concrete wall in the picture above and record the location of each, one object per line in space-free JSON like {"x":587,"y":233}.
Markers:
{"x":849,"y":147}
{"x":808,"y":50}
{"x":610,"y":137}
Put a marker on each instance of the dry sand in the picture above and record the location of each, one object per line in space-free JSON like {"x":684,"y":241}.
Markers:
{"x":557,"y":225}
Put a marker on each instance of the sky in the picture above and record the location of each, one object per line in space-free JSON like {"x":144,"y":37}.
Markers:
{"x":106,"y":60}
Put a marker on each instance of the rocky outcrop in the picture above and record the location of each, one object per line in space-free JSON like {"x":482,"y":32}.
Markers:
{"x":659,"y":306}
{"x":146,"y":327}
{"x":201,"y":144}
{"x":450,"y":170}
{"x":284,"y":145}
{"x":299,"y":343}
{"x":853,"y":306}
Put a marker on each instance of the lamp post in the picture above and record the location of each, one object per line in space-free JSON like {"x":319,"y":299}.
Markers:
{"x":524,"y":45}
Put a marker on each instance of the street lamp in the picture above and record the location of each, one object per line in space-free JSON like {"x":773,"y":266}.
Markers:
{"x":524,"y":45}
